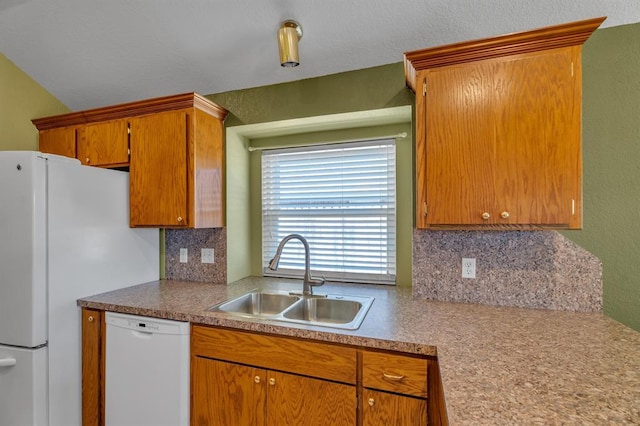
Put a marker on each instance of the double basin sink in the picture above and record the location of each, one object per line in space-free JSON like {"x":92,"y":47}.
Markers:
{"x":331,"y":310}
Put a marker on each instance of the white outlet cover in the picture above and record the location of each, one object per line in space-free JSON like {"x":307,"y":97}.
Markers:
{"x":207,"y":255}
{"x":183,"y":255}
{"x":468,"y":267}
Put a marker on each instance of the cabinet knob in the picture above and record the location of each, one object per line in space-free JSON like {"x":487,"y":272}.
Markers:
{"x":90,"y":318}
{"x":272,"y":381}
{"x":87,"y":160}
{"x":371,"y":402}
{"x":504,"y":215}
{"x":180,"y":219}
{"x":256,"y":379}
{"x":486,"y":216}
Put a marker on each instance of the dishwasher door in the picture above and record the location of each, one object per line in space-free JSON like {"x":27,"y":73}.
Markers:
{"x":146,"y":371}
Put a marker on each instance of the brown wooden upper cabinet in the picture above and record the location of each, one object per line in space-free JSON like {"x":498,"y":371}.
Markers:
{"x":498,"y":130}
{"x":173,"y":147}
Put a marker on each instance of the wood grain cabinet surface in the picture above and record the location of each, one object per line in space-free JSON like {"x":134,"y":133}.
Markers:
{"x":241,"y":378}
{"x":246,"y":378}
{"x":498,"y":130}
{"x":103,"y":144}
{"x":172,"y":146}
{"x":394,"y":389}
{"x":92,"y":367}
{"x":59,"y":141}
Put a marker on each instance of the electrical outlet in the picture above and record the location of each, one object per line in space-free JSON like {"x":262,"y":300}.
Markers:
{"x":468,"y":267}
{"x":206,"y":255}
{"x":183,"y":255}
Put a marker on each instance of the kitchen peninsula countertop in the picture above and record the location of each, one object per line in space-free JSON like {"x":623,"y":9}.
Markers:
{"x":499,"y":365}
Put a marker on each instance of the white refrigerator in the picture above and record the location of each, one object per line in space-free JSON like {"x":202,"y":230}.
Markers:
{"x":64,"y":234}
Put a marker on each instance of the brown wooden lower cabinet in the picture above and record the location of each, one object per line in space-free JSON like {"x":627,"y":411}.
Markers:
{"x":247,"y":378}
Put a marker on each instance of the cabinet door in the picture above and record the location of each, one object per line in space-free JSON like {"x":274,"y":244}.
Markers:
{"x":501,"y":142}
{"x":298,"y":400}
{"x":537,"y":119}
{"x":227,"y":394}
{"x":61,"y":141}
{"x":104,"y":144}
{"x":459,"y":148}
{"x":158,"y":169}
{"x":387,"y":409}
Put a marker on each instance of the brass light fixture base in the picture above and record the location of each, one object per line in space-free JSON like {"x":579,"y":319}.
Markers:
{"x":289,"y":33}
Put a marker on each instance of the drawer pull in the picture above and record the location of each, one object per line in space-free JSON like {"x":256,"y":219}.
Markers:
{"x":371,"y":402}
{"x":393,"y":376}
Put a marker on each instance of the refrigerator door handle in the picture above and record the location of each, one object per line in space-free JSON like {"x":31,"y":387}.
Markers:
{"x":7,"y":362}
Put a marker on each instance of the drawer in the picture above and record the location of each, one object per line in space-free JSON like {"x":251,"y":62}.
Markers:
{"x":394,"y":373}
{"x":320,"y":360}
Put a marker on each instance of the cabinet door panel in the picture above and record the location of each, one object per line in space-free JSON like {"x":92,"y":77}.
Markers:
{"x":460,"y":152}
{"x":104,"y":144}
{"x":297,"y":400}
{"x":60,"y":141}
{"x":503,"y":138}
{"x":227,"y":394}
{"x":387,"y":409}
{"x":538,"y":167}
{"x":158,"y":171}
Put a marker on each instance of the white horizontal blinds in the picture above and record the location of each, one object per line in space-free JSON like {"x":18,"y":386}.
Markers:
{"x":342,"y":199}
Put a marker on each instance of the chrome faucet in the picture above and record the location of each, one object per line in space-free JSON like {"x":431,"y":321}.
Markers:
{"x":308,"y":282}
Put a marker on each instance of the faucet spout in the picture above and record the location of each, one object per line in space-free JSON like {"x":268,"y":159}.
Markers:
{"x":308,"y":282}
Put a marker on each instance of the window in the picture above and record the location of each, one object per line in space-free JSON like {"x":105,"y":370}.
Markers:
{"x":342,"y":199}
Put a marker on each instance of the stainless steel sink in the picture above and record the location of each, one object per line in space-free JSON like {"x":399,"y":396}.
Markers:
{"x":326,"y":311}
{"x":257,"y":304}
{"x":331,"y":310}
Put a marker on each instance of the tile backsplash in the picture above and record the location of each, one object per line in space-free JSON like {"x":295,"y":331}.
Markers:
{"x":194,"y":240}
{"x":534,"y":269}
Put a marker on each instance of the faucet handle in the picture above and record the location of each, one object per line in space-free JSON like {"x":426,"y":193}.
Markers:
{"x":317,"y":281}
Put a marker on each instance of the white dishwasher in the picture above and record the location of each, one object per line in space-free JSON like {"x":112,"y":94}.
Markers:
{"x":146,"y":371}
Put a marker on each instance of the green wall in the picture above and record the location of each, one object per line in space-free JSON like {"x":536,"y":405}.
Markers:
{"x":22,"y":99}
{"x":373,"y":88}
{"x":611,"y":156}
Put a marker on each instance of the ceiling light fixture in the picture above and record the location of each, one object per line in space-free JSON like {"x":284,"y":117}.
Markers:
{"x":288,"y":35}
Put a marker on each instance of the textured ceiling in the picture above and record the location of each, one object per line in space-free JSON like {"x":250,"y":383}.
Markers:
{"x":91,"y":53}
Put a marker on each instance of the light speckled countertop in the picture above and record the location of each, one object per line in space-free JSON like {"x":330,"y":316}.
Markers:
{"x":499,"y":366}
